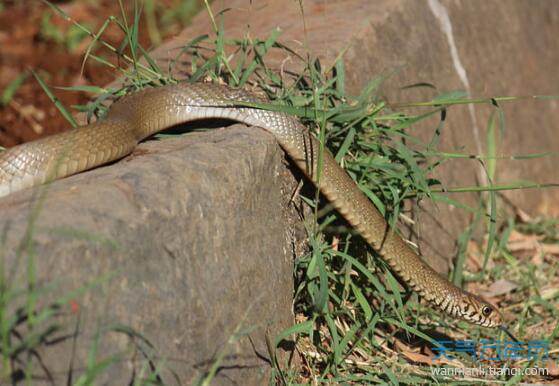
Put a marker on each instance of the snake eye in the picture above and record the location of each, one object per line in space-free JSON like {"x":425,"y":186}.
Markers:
{"x":486,"y":310}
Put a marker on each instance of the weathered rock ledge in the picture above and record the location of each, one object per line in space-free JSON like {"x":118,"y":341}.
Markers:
{"x":197,"y":234}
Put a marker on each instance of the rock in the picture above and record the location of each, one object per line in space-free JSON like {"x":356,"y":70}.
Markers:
{"x":190,"y":240}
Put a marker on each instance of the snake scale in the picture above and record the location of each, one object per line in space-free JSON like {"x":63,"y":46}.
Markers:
{"x":141,"y":114}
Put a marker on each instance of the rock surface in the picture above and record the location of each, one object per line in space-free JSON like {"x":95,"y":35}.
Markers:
{"x":485,"y":48}
{"x":193,"y":238}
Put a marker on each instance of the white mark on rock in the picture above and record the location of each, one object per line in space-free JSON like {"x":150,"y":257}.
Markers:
{"x":439,"y":11}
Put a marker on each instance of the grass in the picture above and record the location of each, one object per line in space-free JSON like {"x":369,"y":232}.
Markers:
{"x":355,"y":323}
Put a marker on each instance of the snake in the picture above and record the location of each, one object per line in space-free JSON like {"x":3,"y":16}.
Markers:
{"x":143,"y":113}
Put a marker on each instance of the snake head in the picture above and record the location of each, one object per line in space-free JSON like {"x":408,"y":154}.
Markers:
{"x":475,"y":310}
{"x":478,"y":311}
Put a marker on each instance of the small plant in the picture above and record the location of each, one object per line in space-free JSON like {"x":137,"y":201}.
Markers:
{"x":70,"y":38}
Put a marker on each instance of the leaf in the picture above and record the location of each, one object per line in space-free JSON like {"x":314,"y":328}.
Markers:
{"x":55,"y":100}
{"x":300,"y":328}
{"x":85,"y":88}
{"x":500,"y":287}
{"x":348,"y":140}
{"x":450,"y":96}
{"x":12,"y":88}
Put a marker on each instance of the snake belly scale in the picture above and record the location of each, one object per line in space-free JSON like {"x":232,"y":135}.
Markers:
{"x":141,"y":114}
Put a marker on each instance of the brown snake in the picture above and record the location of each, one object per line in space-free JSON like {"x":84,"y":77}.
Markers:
{"x":144,"y":113}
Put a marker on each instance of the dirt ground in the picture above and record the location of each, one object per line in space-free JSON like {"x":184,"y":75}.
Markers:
{"x":34,"y":37}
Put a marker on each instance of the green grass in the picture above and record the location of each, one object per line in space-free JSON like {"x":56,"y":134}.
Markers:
{"x":355,"y":322}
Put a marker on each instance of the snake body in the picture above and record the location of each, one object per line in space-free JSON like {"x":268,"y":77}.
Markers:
{"x":141,"y":114}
